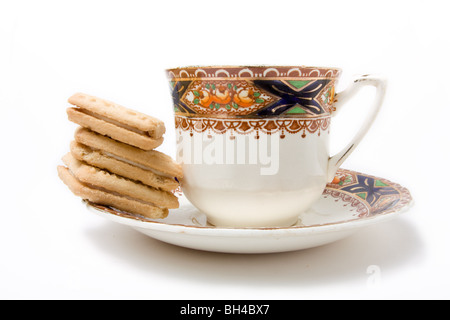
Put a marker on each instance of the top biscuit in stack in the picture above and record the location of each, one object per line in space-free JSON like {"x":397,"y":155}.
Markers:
{"x":113,"y":120}
{"x":111,"y":161}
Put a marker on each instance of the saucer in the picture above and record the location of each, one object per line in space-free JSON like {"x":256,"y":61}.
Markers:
{"x":351,"y":202}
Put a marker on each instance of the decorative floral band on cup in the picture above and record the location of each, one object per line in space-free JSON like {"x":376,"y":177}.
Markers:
{"x":253,"y":91}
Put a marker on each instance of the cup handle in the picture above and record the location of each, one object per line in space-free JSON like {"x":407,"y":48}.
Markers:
{"x":341,"y":98}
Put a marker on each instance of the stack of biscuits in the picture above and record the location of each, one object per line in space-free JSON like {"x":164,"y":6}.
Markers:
{"x":112,"y":161}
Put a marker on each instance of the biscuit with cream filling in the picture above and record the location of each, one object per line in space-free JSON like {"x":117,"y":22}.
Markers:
{"x":153,"y":160}
{"x":110,"y":199}
{"x":115,"y":121}
{"x":98,"y":158}
{"x":109,"y":182}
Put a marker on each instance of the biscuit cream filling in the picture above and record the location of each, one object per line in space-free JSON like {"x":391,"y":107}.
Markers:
{"x":111,"y":155}
{"x":114,"y":122}
{"x":157,"y":172}
{"x":91,"y":186}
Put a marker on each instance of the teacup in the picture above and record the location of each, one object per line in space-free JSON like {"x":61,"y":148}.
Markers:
{"x":254,"y":140}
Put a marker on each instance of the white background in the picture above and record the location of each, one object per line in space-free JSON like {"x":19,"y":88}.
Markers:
{"x":51,"y":247}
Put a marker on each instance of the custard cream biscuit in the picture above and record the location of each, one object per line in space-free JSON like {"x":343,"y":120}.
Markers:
{"x":155,"y":161}
{"x":110,"y":199}
{"x":113,"y":120}
{"x":103,"y":180}
{"x":98,"y":159}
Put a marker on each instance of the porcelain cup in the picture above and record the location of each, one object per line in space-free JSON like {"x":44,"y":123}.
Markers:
{"x":254,"y":140}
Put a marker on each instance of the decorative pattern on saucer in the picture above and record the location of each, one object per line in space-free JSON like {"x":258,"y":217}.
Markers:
{"x":369,"y":195}
{"x":245,"y":94}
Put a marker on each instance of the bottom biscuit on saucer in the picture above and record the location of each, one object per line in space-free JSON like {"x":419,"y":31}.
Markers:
{"x":104,"y":188}
{"x":108,"y":181}
{"x":109,"y":199}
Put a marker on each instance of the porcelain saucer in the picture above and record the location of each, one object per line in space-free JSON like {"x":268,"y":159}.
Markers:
{"x":351,"y":202}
